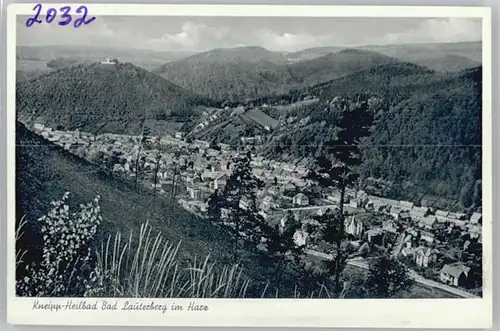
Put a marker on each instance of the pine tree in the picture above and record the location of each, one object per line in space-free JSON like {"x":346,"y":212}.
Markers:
{"x":214,"y":207}
{"x":281,"y":246}
{"x":337,"y":167}
{"x":235,"y":206}
{"x":157,"y":169}
{"x":175,"y":176}
{"x":140,"y":143}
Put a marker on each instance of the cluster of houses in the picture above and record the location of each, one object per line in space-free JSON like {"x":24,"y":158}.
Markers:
{"x":210,"y":116}
{"x":414,"y":227}
{"x":201,"y":169}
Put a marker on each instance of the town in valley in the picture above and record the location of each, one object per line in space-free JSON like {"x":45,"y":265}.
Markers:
{"x":248,"y":157}
{"x":191,"y":170}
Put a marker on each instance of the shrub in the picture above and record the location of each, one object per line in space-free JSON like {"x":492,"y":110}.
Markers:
{"x":66,"y":254}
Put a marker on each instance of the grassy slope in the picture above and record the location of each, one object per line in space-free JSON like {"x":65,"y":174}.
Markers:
{"x":46,"y":171}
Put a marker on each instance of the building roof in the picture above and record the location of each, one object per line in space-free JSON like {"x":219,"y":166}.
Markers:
{"x":427,"y":234}
{"x":406,"y":204}
{"x":408,"y":250}
{"x":429,"y":220}
{"x":300,"y":196}
{"x":261,"y":118}
{"x":442,"y":213}
{"x":455,"y":269}
{"x":424,"y":250}
{"x":397,"y":209}
{"x":404,"y":214}
{"x":388,"y":222}
{"x":457,"y":215}
{"x":419,"y":212}
{"x":374,"y":232}
{"x":222,"y":177}
{"x":476,"y":217}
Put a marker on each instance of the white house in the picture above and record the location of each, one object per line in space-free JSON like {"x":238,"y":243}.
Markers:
{"x":300,"y":237}
{"x":424,"y":256}
{"x":455,"y":274}
{"x":301,"y":199}
{"x":353,"y":226}
{"x":476,"y":218}
{"x":390,"y":226}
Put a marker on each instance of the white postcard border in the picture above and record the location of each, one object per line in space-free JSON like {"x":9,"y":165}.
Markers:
{"x":405,"y":313}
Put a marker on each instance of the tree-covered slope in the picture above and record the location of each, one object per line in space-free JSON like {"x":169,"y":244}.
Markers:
{"x":426,"y":137}
{"x":103,"y":97}
{"x":447,"y":62}
{"x":432,"y":140}
{"x":335,"y":65}
{"x":251,"y":73}
{"x":230,"y":81}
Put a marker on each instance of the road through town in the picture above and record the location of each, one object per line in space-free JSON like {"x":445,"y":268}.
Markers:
{"x":362,"y":263}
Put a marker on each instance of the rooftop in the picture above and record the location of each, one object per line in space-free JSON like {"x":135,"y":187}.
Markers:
{"x":455,"y":269}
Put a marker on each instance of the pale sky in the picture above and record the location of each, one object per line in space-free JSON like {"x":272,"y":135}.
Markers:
{"x":273,"y":33}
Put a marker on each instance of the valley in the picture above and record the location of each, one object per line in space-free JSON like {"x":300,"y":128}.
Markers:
{"x":159,"y":142}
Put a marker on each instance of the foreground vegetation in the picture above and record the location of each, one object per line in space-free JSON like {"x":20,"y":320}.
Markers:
{"x":74,"y":263}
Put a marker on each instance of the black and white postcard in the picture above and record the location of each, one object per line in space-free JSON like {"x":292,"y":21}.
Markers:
{"x":217,"y":165}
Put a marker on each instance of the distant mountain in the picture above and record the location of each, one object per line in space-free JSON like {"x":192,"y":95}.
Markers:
{"x":230,"y":74}
{"x":409,"y":52}
{"x":439,"y":130}
{"x":252,"y":54}
{"x":447,"y":62}
{"x":401,"y":76}
{"x":436,"y":56}
{"x":144,"y":58}
{"x":312,"y":53}
{"x":253,"y":72}
{"x":104,"y":98}
{"x":62,"y":62}
{"x":336,"y":65}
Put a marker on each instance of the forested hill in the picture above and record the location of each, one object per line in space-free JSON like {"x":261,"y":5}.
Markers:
{"x":426,"y":138}
{"x":437,"y":56}
{"x":439,"y":131}
{"x":228,"y":81}
{"x":253,"y":54}
{"x":103,"y":97}
{"x":252,"y":73}
{"x":230,"y":74}
{"x":337,"y":65}
{"x":448,"y":62}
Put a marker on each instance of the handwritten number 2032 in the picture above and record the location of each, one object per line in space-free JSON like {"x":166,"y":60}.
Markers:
{"x":66,"y":17}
